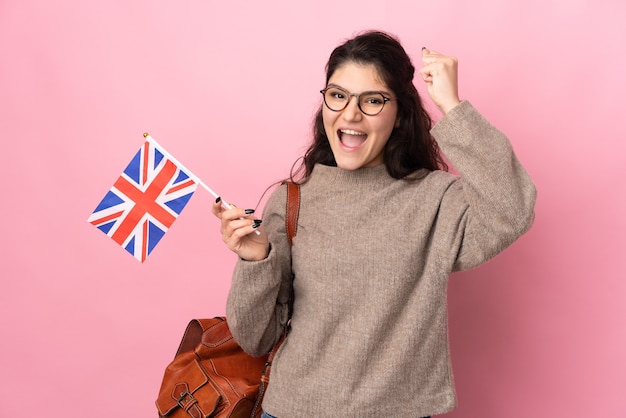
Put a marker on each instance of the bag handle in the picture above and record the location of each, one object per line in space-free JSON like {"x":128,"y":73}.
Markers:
{"x":194,"y":331}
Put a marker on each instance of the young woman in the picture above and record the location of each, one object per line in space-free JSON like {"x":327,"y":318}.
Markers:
{"x":381,"y":227}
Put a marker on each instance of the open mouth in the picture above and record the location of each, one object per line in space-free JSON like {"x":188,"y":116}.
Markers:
{"x":350,"y":138}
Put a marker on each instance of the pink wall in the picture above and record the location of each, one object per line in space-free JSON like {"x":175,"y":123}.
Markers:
{"x":87,"y":330}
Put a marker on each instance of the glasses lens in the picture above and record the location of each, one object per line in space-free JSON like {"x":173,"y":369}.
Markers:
{"x":371,"y":103}
{"x":335,"y":98}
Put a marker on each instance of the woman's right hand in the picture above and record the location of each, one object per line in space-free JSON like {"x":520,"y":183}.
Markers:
{"x":238,"y":232}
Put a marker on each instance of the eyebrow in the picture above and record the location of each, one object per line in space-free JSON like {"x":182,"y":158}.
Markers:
{"x":383,"y":92}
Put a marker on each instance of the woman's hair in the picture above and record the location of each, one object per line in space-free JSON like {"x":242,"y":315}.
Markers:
{"x":410,"y":146}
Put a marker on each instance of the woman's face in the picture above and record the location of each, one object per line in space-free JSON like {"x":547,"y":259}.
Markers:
{"x":356,"y":139}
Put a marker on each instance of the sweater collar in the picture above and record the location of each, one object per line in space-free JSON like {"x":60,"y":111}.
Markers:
{"x":373,"y":176}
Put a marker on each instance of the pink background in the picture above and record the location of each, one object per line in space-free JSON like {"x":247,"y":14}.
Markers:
{"x":229,"y":88}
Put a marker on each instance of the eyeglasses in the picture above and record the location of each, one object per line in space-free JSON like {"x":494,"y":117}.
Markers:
{"x":370,"y":102}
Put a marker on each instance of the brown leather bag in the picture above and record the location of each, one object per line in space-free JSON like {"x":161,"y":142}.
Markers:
{"x":211,"y":376}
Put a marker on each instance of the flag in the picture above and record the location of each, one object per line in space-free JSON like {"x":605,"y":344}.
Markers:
{"x":145,"y":200}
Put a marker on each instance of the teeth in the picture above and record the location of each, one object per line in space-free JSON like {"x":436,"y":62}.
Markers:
{"x":351,"y":132}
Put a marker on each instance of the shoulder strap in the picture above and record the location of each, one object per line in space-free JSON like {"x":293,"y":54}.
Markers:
{"x":291,"y":221}
{"x":293,"y":209}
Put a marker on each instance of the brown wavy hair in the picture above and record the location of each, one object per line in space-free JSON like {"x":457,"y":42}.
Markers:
{"x":410,"y":146}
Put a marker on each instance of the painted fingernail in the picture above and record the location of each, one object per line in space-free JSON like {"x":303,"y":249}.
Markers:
{"x":258,"y":221}
{"x":248,"y":211}
{"x":423,"y":48}
{"x":218,"y":200}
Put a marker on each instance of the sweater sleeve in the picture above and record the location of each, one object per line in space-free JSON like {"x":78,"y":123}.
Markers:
{"x":494,"y":198}
{"x":257,"y":304}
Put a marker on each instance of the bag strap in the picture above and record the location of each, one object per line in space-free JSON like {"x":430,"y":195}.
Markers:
{"x":195,"y":328}
{"x":291,"y":221}
{"x":293,"y":210}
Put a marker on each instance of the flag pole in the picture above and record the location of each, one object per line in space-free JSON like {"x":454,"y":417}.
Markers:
{"x":191,"y":174}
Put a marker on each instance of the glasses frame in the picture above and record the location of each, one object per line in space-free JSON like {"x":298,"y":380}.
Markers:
{"x":358,"y":99}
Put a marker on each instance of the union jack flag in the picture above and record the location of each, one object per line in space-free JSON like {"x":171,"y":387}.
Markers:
{"x":145,"y":200}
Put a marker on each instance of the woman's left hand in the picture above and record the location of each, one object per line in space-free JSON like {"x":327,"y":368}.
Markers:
{"x":441,"y":77}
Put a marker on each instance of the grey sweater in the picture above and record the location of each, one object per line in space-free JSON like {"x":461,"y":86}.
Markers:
{"x":371,"y":258}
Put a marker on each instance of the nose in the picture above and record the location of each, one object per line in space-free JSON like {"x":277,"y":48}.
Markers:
{"x":352,"y":110}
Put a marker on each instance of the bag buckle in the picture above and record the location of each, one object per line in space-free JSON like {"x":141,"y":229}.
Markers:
{"x":185,"y":400}
{"x":190,"y":405}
